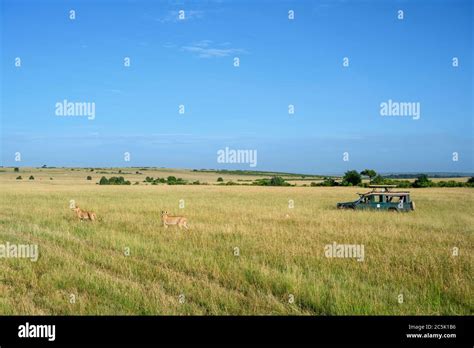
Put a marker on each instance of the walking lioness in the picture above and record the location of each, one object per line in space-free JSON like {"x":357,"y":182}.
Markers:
{"x":167,"y":219}
{"x":84,"y":215}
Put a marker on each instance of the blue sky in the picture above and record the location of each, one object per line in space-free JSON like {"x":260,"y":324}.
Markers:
{"x":282,"y":62}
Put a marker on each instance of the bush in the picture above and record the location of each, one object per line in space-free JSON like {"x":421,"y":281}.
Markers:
{"x":351,"y":178}
{"x":370,"y":173}
{"x":118,"y":180}
{"x":175,"y":181}
{"x":470,"y":181}
{"x":114,"y":180}
{"x":450,"y":183}
{"x":32,"y":177}
{"x":274,"y":181}
{"x":19,"y":178}
{"x":89,"y":177}
{"x":329,"y":182}
{"x":219,"y":179}
{"x":16,"y":169}
{"x":422,"y":181}
{"x":378,"y":180}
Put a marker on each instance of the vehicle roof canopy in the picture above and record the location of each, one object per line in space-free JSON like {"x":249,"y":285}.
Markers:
{"x":384,"y":193}
{"x":382,"y":186}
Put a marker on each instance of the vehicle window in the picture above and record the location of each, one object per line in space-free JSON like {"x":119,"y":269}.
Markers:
{"x":377,"y":198}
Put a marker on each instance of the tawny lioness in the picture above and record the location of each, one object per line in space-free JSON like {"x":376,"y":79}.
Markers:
{"x":84,"y":215}
{"x":167,"y":219}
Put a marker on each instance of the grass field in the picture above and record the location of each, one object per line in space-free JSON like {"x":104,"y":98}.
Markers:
{"x":280,"y":249}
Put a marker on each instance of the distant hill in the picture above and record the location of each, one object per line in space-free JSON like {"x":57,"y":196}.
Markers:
{"x":429,"y":174}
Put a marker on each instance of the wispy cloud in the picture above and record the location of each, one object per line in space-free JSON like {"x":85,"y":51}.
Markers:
{"x":207,"y":49}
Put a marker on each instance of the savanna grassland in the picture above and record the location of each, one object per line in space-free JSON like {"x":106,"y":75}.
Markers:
{"x":127,"y":263}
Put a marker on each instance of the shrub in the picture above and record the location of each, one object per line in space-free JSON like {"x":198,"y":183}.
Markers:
{"x":89,"y":177}
{"x":378,"y":180}
{"x":422,"y":181}
{"x":470,"y":181}
{"x":273,"y":181}
{"x":175,"y":181}
{"x":219,"y":179}
{"x":32,"y":177}
{"x":103,"y":181}
{"x":19,"y":178}
{"x":370,"y":173}
{"x":450,"y":183}
{"x":16,"y":169}
{"x":329,"y":182}
{"x":118,"y":180}
{"x":351,"y":178}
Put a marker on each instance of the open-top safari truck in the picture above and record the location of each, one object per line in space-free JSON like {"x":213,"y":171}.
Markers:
{"x":381,"y":198}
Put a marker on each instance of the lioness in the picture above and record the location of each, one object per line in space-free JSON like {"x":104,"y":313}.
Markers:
{"x":181,"y":221}
{"x":84,"y":215}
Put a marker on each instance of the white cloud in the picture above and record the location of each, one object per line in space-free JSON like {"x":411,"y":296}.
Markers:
{"x":206,"y":49}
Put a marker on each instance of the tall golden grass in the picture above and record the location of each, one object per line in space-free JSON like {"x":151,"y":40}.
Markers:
{"x":246,"y":251}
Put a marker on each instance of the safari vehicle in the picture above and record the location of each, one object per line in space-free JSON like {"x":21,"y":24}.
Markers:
{"x":381,"y":198}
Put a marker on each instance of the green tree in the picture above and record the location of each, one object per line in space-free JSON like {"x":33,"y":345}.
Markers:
{"x":219,"y":179}
{"x":277,"y":181}
{"x":378,"y":180}
{"x":329,"y":182}
{"x":370,"y":173}
{"x":103,"y":181}
{"x":32,"y":177}
{"x":89,"y":177}
{"x":351,"y":178}
{"x":422,"y":181}
{"x":171,"y":180}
